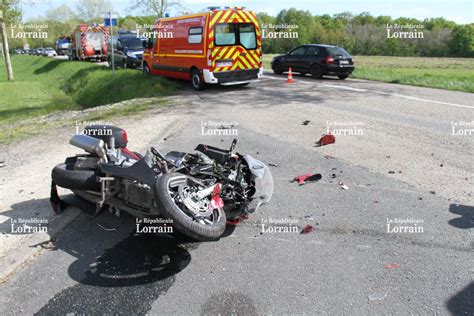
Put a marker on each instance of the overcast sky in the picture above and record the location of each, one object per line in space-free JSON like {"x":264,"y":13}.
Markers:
{"x":460,"y":11}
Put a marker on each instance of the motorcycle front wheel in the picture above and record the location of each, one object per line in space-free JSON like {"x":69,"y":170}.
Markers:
{"x":175,"y":196}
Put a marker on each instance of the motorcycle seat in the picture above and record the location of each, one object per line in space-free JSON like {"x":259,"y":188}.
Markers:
{"x":106,"y":132}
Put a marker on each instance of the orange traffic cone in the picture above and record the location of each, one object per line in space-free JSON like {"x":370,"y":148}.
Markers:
{"x":290,"y":76}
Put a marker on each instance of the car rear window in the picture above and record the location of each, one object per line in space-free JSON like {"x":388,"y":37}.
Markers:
{"x":338,"y":52}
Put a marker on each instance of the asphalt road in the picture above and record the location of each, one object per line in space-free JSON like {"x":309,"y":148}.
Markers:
{"x":398,"y":158}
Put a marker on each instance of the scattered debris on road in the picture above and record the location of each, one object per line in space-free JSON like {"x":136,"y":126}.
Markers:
{"x":305,"y":122}
{"x":107,"y":229}
{"x":391,"y":172}
{"x":343,"y":186}
{"x":307,"y":229}
{"x":309,"y":177}
{"x":273,"y":164}
{"x":433,"y":192}
{"x":377,"y":296}
{"x":326,"y":139}
{"x":2,"y":164}
{"x":392,"y":266}
{"x":328,"y":157}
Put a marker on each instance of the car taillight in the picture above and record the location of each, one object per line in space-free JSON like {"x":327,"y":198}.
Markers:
{"x":329,"y":59}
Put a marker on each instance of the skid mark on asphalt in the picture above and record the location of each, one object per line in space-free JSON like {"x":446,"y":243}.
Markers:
{"x":376,"y":92}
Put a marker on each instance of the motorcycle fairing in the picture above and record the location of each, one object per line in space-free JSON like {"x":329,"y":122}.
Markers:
{"x":263,"y":183}
{"x":139,"y":171}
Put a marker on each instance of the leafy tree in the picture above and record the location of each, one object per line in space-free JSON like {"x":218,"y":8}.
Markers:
{"x":92,"y":10}
{"x":462,"y":43}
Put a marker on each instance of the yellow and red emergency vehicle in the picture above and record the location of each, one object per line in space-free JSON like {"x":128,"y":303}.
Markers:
{"x":219,"y":46}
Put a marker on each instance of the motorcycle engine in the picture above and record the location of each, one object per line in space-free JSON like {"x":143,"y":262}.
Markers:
{"x":137,"y":195}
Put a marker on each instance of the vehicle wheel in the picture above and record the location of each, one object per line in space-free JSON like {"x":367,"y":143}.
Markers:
{"x":146,"y":70}
{"x":174,"y":197}
{"x":342,"y":77}
{"x":277,"y":68}
{"x":65,"y":176}
{"x":196,"y":80}
{"x":316,"y":72}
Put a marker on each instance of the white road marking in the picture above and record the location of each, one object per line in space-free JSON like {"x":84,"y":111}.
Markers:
{"x":379,"y":92}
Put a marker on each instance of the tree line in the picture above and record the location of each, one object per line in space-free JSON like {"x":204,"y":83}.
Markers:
{"x":364,"y":34}
{"x":361,"y":34}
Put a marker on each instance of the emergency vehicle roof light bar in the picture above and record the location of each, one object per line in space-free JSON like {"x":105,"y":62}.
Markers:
{"x":213,"y":8}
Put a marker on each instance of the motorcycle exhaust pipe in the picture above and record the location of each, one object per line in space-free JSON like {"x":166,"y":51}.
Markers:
{"x":90,"y":144}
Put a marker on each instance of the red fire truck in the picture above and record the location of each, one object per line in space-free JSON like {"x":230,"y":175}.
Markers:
{"x":89,"y":42}
{"x":220,"y":46}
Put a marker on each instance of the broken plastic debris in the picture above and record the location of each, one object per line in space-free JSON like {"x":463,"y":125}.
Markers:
{"x":326,"y":139}
{"x":2,"y":164}
{"x":305,"y":122}
{"x":309,"y":177}
{"x":307,"y":229}
{"x":343,"y":186}
{"x":392,"y":266}
{"x":391,"y":172}
{"x":273,"y":164}
{"x":328,"y":157}
{"x":377,"y":296}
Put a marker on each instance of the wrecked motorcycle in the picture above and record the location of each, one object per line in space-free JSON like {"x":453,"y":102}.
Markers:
{"x":198,"y":191}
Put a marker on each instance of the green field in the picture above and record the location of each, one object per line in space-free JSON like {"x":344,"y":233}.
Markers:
{"x":44,"y":85}
{"x":444,"y":73}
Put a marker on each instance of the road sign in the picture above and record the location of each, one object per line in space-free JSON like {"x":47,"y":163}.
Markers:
{"x":109,"y":22}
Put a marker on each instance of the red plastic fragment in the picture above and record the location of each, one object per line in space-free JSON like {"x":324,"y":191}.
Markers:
{"x":307,"y":229}
{"x":392,"y":266}
{"x":326,"y":139}
{"x":306,"y":178}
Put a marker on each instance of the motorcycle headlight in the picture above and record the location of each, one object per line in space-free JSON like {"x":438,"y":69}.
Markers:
{"x":131,"y":55}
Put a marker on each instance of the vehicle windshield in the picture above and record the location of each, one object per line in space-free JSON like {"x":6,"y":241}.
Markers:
{"x":338,"y":52}
{"x":236,"y":34}
{"x":132,"y":43}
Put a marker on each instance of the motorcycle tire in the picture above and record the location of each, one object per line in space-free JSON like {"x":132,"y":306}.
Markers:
{"x":65,"y":176}
{"x":182,"y":222}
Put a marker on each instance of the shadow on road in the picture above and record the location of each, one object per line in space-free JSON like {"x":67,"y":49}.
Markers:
{"x":116,"y":269}
{"x":463,"y":302}
{"x":50,"y":66}
{"x":466,"y":220}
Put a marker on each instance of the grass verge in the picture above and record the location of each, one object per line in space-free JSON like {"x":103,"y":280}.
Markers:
{"x":455,"y":74}
{"x":44,"y":85}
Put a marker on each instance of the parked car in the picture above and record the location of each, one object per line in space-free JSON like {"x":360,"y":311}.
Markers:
{"x":128,"y":50}
{"x":49,"y":51}
{"x":63,"y":45}
{"x":317,"y":60}
{"x":38,"y":51}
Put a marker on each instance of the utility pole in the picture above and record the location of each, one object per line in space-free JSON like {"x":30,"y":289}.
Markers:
{"x":6,"y":51}
{"x":111,"y":42}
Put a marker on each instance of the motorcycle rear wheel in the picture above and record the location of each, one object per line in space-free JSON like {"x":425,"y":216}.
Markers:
{"x":65,"y":176}
{"x":168,"y":201}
